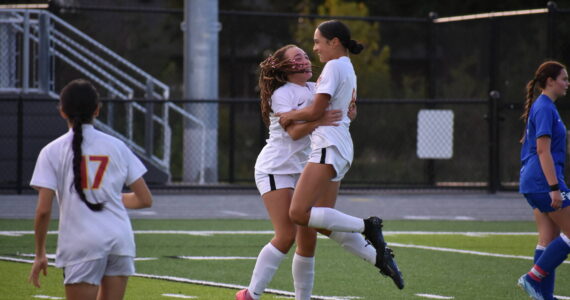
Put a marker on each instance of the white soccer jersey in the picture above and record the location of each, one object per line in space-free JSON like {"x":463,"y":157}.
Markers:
{"x":282,"y":154}
{"x":85,"y":234}
{"x":338,"y":80}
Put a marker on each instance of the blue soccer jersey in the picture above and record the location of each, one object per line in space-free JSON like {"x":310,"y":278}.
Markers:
{"x":543,"y":120}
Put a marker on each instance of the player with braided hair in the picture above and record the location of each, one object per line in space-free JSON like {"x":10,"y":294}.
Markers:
{"x":543,"y":156}
{"x":87,"y":169}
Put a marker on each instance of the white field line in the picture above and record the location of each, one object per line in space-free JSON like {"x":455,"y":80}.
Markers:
{"x":179,"y":296}
{"x":234,"y":286}
{"x":561,"y":297}
{"x":246,"y":232}
{"x":47,"y":297}
{"x":434,"y":296}
{"x":464,"y":251}
{"x":51,"y":256}
{"x":217,"y":257}
{"x":201,"y":282}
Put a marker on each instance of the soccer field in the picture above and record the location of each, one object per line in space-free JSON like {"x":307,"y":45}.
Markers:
{"x":211,"y":259}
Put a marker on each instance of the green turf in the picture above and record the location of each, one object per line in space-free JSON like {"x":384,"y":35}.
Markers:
{"x":462,"y":276}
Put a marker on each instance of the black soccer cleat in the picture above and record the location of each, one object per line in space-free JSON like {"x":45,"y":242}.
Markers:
{"x":388,"y":267}
{"x":373,"y":234}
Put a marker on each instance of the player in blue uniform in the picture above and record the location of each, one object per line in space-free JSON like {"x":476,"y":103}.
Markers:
{"x":542,"y":182}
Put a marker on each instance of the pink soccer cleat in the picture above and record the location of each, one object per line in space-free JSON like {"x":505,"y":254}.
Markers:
{"x":243,"y":295}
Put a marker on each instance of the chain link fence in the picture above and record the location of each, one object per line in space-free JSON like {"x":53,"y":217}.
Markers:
{"x":410,"y":65}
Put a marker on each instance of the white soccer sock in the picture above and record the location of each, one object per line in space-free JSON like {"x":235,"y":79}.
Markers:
{"x":334,"y":220}
{"x":565,"y":238}
{"x":268,"y":261}
{"x":303,"y":276}
{"x":356,"y":244}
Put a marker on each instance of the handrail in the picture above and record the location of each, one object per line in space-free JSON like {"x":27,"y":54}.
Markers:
{"x":109,"y":71}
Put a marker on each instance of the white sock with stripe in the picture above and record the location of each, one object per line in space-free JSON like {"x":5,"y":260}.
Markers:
{"x":565,"y":239}
{"x":334,"y":220}
{"x":268,"y":261}
{"x":303,"y":276}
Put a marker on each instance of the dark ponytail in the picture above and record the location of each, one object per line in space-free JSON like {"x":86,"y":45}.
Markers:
{"x":336,"y":29}
{"x":548,"y":69}
{"x":79,"y":101}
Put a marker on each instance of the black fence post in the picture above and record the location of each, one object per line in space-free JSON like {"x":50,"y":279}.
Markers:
{"x":20,"y":145}
{"x":493,"y":118}
{"x":493,"y":113}
{"x":552,"y":9}
{"x":232,"y":142}
{"x":233,"y":93}
{"x":431,"y":81}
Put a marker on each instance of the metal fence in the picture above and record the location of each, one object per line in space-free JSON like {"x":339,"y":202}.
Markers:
{"x":384,"y":134}
{"x":429,"y":63}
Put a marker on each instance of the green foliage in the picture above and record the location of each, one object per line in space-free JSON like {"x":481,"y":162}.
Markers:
{"x":372,"y":64}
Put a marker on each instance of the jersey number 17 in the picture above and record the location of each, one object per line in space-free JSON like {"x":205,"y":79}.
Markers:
{"x":88,"y":160}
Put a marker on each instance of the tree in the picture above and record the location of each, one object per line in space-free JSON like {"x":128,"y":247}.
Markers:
{"x":371,"y":65}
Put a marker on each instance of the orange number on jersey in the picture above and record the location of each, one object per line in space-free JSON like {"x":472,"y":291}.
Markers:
{"x":101,"y":168}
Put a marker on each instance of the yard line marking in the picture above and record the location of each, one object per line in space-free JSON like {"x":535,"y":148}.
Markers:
{"x":215,"y":257}
{"x":235,"y":286}
{"x":457,"y":218}
{"x":179,"y":296}
{"x":464,"y":251}
{"x":234,"y":213}
{"x":145,"y":258}
{"x":434,"y":296}
{"x":465,"y":233}
{"x":236,"y":232}
{"x":52,"y":256}
{"x":47,"y":297}
{"x":48,"y":255}
{"x":201,"y":282}
{"x":142,"y":213}
{"x":561,"y":297}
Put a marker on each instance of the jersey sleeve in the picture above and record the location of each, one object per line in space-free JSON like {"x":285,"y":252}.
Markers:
{"x":135,"y":168}
{"x":543,"y":120}
{"x":281,"y":102}
{"x":45,"y":173}
{"x":328,"y":81}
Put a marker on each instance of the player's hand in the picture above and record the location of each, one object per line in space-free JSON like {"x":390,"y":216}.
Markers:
{"x":556,"y":197}
{"x":331,"y":117}
{"x":352,"y":111}
{"x":285,"y":119}
{"x":40,"y":264}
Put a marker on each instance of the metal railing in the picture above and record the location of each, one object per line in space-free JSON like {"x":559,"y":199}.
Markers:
{"x":32,"y":40}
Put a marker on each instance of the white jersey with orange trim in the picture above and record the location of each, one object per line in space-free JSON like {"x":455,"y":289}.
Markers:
{"x":282,"y":154}
{"x":85,"y":234}
{"x":339,"y":81}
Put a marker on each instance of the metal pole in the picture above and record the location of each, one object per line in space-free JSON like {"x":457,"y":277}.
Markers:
{"x":44,"y":56}
{"x":20,"y":145}
{"x":26,"y":53}
{"x":233,"y":93}
{"x":201,"y":30}
{"x":431,"y":78}
{"x":493,"y":118}
{"x":552,"y":9}
{"x":493,"y":114}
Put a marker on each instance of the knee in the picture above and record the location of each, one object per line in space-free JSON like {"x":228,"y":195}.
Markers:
{"x":284,"y":241}
{"x":299,"y":217}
